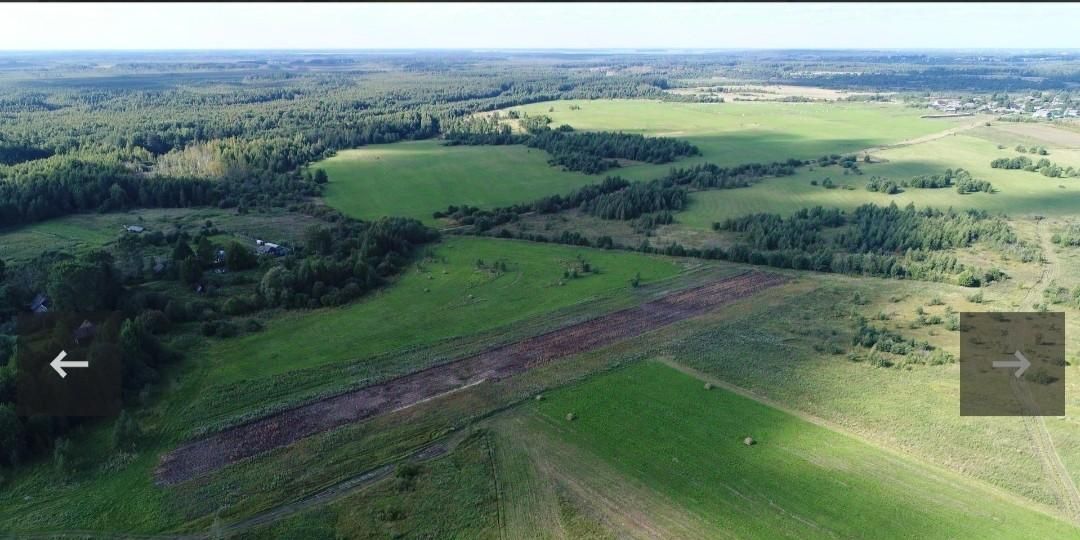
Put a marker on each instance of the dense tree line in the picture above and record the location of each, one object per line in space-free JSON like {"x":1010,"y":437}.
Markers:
{"x":617,"y":198}
{"x":872,"y":240}
{"x":1044,"y":166}
{"x":596,"y":152}
{"x":961,"y":178}
{"x":587,"y":152}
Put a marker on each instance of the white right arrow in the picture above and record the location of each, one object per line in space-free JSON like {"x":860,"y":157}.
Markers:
{"x":59,"y":364}
{"x":1021,"y":362}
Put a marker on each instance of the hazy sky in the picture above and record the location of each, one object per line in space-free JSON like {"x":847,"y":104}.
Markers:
{"x":465,"y":25}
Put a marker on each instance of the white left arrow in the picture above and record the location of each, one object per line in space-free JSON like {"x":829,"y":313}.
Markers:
{"x":59,"y":364}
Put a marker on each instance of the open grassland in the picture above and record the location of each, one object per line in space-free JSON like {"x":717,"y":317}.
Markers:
{"x":414,"y":179}
{"x":735,"y":133}
{"x":659,"y":427}
{"x":417,"y":178}
{"x":444,"y":296}
{"x":1017,"y":192}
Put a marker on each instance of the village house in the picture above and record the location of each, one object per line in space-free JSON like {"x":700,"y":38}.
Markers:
{"x":268,"y":248}
{"x":40,"y":303}
{"x":85,"y":332}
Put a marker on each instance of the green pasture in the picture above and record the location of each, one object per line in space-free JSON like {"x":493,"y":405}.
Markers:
{"x":747,"y":132}
{"x":417,"y":178}
{"x":433,"y":301}
{"x":414,"y":179}
{"x":1017,"y":192}
{"x":662,"y":428}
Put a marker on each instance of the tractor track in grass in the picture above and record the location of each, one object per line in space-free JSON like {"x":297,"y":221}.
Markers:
{"x":204,"y":456}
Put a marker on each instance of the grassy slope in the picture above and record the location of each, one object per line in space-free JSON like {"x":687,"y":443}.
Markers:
{"x":1019,"y":192}
{"x":659,"y":426}
{"x":414,"y":179}
{"x":462,"y":300}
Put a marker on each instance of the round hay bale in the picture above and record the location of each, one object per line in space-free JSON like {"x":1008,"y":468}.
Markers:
{"x":539,"y":397}
{"x":427,"y":289}
{"x":708,"y":386}
{"x":749,"y":441}
{"x":570,"y":417}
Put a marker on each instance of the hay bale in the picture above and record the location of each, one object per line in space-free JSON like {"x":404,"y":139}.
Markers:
{"x":539,"y":397}
{"x":749,"y":441}
{"x":570,"y":417}
{"x":708,"y":386}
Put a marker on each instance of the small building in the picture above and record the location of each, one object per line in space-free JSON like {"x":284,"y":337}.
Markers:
{"x":134,"y":229}
{"x":219,"y":256}
{"x":85,"y":332}
{"x":268,"y":248}
{"x":40,"y":303}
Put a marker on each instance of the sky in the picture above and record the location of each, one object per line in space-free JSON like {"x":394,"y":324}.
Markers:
{"x":32,"y":26}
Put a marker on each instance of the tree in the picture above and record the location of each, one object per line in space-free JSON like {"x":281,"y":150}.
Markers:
{"x":320,"y":176}
{"x":3,"y":269}
{"x":126,"y":433}
{"x":190,"y":270}
{"x":318,"y":239}
{"x":239,"y":257}
{"x":62,"y":456}
{"x":205,"y":251}
{"x":85,"y":284}
{"x":181,"y":250}
{"x":11,"y":437}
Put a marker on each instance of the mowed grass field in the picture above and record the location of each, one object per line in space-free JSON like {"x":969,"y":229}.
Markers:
{"x":1018,"y":193}
{"x":665,"y":432}
{"x":414,"y":179}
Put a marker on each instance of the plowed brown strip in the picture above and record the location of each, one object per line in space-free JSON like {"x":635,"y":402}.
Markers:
{"x":206,"y":455}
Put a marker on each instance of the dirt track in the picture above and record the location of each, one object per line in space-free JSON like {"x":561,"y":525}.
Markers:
{"x":206,"y":455}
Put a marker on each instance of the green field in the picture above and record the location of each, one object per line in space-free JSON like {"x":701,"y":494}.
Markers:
{"x":417,"y":178}
{"x":660,"y":428}
{"x":414,"y":179}
{"x":443,"y":300}
{"x":1018,"y":192}
{"x":746,"y":132}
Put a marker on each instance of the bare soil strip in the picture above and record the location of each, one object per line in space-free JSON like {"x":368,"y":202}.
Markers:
{"x":211,"y":453}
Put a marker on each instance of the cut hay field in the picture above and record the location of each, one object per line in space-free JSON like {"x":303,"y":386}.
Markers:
{"x":414,"y":179}
{"x":1018,"y":193}
{"x":681,"y":445}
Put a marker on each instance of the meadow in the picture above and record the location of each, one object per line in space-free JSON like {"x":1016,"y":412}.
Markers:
{"x":417,"y":178}
{"x":444,"y":296}
{"x":662,"y":429}
{"x":747,"y":132}
{"x":414,"y":179}
{"x":1018,"y":193}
